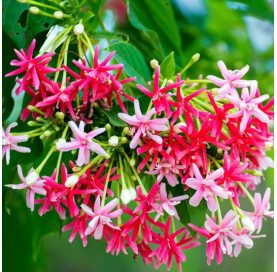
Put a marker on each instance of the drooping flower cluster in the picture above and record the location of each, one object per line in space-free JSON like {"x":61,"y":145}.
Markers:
{"x":192,"y":147}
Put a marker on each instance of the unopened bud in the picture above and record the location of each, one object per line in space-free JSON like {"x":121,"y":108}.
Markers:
{"x":73,"y":151}
{"x":113,"y":141}
{"x":133,"y":193}
{"x":32,"y":124}
{"x":132,"y":162}
{"x":268,"y":145}
{"x":125,"y":196}
{"x":47,"y":133}
{"x":214,"y":91}
{"x":76,"y":169}
{"x":247,"y":223}
{"x":195,"y":58}
{"x":154,"y":63}
{"x":78,"y":29}
{"x":21,"y":1}
{"x":34,"y":10}
{"x":107,"y":156}
{"x":71,"y":181}
{"x":58,"y":14}
{"x":257,"y":173}
{"x":59,"y":142}
{"x":124,"y":140}
{"x":126,"y":131}
{"x":60,"y":115}
{"x":148,"y":83}
{"x":108,"y":127}
{"x":32,"y":178}
{"x":133,"y":177}
{"x":219,"y":151}
{"x":169,"y":82}
{"x":176,"y":127}
{"x":107,"y":164}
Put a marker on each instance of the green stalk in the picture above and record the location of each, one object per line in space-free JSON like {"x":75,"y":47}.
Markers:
{"x":106,"y":185}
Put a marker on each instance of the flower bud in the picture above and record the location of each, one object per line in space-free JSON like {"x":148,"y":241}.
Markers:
{"x":21,"y":1}
{"x":107,"y":164}
{"x":124,"y":140}
{"x":32,"y":124}
{"x":34,"y":10}
{"x":78,"y":29}
{"x":214,"y":91}
{"x":132,"y":162}
{"x":74,"y":151}
{"x":126,"y":131}
{"x":107,"y":156}
{"x":60,"y":141}
{"x":148,"y":83}
{"x":133,"y":177}
{"x":195,"y":58}
{"x":47,"y":133}
{"x":71,"y":181}
{"x":268,"y":145}
{"x":154,"y":63}
{"x":60,"y":115}
{"x":247,"y":223}
{"x":133,"y":193}
{"x":176,"y":127}
{"x":257,"y":173}
{"x":113,"y":141}
{"x":125,"y":196}
{"x":58,"y":14}
{"x":32,"y":178}
{"x":169,"y":82}
{"x":76,"y":169}
{"x":219,"y":151}
{"x":108,"y":127}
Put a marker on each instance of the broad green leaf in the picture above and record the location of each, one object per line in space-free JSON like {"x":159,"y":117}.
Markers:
{"x":168,"y":66}
{"x":134,"y":63}
{"x":113,"y":117}
{"x":20,"y":25}
{"x":186,"y":212}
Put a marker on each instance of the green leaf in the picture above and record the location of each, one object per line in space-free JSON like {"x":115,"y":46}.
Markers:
{"x":186,"y":212}
{"x":134,"y":63}
{"x":88,"y":16}
{"x":168,"y":66}
{"x":113,"y":117}
{"x":22,"y":26}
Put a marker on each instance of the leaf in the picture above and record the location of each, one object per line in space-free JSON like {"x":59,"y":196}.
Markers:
{"x":113,"y":117}
{"x":168,"y":66}
{"x":134,"y":63}
{"x":186,"y":212}
{"x":156,"y":19}
{"x":22,"y":26}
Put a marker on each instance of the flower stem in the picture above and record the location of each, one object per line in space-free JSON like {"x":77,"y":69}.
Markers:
{"x":106,"y":185}
{"x":214,"y":161}
{"x":218,"y":210}
{"x":58,"y":166}
{"x":39,"y":168}
{"x":96,"y":159}
{"x":89,"y":43}
{"x":198,"y":81}
{"x":246,"y":192}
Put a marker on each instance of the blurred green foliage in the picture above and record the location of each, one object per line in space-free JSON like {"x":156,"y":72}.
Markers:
{"x":237,"y":32}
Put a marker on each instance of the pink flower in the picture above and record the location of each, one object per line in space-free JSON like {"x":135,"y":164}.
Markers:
{"x":101,"y":217}
{"x":36,"y":187}
{"x":78,"y":224}
{"x":206,"y":188}
{"x":168,"y":204}
{"x":168,"y":170}
{"x":248,"y":106}
{"x":247,"y":240}
{"x":261,"y":208}
{"x":83,"y":142}
{"x":35,"y":68}
{"x":144,"y":124}
{"x":159,"y":96}
{"x":10,"y":142}
{"x":232,"y":80}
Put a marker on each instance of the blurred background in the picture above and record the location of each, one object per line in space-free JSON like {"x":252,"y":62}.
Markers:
{"x":237,"y":32}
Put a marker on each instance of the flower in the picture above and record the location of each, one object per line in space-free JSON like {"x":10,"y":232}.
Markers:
{"x":168,"y":204}
{"x":36,"y":187}
{"x":83,"y":142}
{"x":101,"y":217}
{"x":232,"y":80}
{"x":206,"y":188}
{"x":261,"y":208}
{"x":144,"y":124}
{"x":168,"y":170}
{"x":248,"y":106}
{"x":159,"y":96}
{"x":9,"y":142}
{"x":35,"y":68}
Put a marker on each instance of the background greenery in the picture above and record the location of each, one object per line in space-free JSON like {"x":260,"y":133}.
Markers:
{"x":237,"y":32}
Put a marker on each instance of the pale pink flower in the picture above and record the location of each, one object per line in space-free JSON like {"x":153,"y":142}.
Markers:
{"x":166,"y":169}
{"x":261,"y":208}
{"x":101,"y":217}
{"x":144,"y":124}
{"x":206,"y":188}
{"x":168,"y":204}
{"x":83,"y":142}
{"x":248,"y":106}
{"x":9,"y":142}
{"x":37,"y":187}
{"x":232,"y":80}
{"x":223,"y":231}
{"x":247,"y":240}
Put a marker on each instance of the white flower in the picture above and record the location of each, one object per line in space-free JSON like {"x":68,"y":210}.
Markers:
{"x":154,"y":63}
{"x":113,"y":141}
{"x":125,"y":196}
{"x":78,"y":29}
{"x":58,"y":14}
{"x":133,"y":193}
{"x":71,"y":181}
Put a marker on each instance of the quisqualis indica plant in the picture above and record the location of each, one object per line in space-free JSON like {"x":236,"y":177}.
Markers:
{"x":172,"y":150}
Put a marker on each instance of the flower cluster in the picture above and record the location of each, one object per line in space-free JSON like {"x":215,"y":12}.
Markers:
{"x":193,"y":146}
